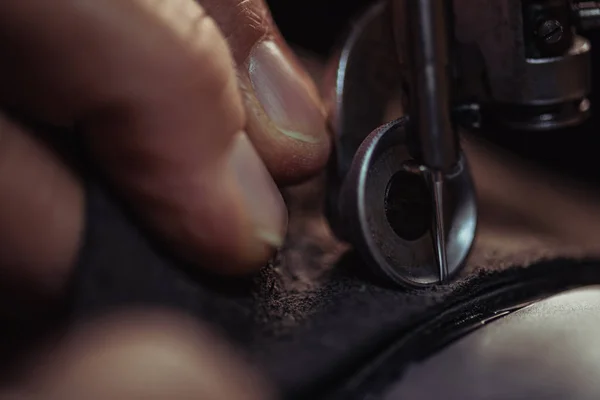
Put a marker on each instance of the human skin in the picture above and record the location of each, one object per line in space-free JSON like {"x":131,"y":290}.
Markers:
{"x":196,"y":114}
{"x":147,"y":109}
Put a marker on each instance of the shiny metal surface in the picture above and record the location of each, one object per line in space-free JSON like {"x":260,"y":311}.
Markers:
{"x":363,"y":86}
{"x":425,"y":54}
{"x":366,"y":92}
{"x":511,"y":61}
{"x":427,"y":73}
{"x":439,"y":230}
{"x":411,"y":261}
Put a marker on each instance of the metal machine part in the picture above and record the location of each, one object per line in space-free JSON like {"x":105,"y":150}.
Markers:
{"x":421,"y":34}
{"x":522,"y":61}
{"x":424,"y":50}
{"x":492,"y":64}
{"x":426,"y":239}
{"x":387,"y":205}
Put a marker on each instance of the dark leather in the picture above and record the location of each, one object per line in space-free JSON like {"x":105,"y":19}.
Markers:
{"x":549,"y":350}
{"x":339,"y":327}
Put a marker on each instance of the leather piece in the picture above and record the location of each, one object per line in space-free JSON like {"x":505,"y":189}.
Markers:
{"x":549,"y":350}
{"x":309,"y":341}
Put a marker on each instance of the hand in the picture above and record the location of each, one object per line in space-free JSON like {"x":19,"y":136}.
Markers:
{"x":195,"y":120}
{"x":194,"y":130}
{"x":136,"y":355}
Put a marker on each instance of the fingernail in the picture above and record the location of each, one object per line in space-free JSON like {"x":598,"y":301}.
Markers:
{"x":285,"y":95}
{"x":261,"y":195}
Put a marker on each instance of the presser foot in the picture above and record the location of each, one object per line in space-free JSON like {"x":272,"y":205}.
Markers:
{"x":412,"y":226}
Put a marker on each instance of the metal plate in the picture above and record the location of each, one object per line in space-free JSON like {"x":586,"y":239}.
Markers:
{"x":365,"y":91}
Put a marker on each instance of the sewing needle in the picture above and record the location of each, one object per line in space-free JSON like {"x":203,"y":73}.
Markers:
{"x":440,"y":236}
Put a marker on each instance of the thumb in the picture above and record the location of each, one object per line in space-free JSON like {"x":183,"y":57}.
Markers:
{"x":286,"y":121}
{"x":157,"y":99}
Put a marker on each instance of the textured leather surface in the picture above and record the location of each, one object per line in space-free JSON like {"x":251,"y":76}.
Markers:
{"x":307,"y":342}
{"x":549,"y":350}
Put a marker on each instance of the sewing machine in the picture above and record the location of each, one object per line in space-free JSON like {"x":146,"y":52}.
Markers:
{"x":403,"y":194}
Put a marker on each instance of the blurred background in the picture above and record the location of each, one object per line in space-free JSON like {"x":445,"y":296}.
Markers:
{"x":315,"y":25}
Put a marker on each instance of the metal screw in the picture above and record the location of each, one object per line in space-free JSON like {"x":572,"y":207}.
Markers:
{"x":550,"y":31}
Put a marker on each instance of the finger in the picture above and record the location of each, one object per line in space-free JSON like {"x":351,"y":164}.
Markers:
{"x":285,"y":117}
{"x":158,"y":100}
{"x":140,"y":355}
{"x":41,"y":208}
